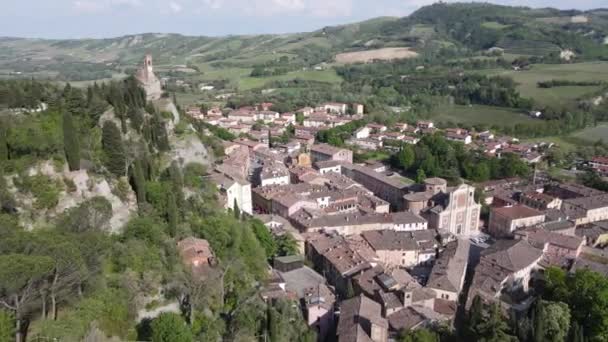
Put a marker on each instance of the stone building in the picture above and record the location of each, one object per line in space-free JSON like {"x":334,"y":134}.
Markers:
{"x":506,"y":220}
{"x":148,"y":80}
{"x":322,"y":152}
{"x":455,"y":211}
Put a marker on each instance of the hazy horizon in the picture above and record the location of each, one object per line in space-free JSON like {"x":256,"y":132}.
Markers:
{"x":75,"y":19}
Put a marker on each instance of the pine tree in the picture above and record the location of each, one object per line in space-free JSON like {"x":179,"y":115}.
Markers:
{"x":115,"y":157}
{"x":71,"y":144}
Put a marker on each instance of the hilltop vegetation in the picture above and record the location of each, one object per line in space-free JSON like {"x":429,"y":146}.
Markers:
{"x":467,"y":28}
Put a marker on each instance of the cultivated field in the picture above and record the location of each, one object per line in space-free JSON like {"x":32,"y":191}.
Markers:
{"x":528,"y":81}
{"x":593,"y":134}
{"x":327,"y":76}
{"x":478,"y":114}
{"x":378,"y":54}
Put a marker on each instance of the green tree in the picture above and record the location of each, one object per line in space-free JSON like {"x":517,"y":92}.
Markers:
{"x":576,"y":333}
{"x":7,"y":325}
{"x":265,"y":238}
{"x":172,"y":214}
{"x":555,"y":321}
{"x":418,"y":335}
{"x":138,"y":180}
{"x":586,"y":293}
{"x":475,"y":317}
{"x":286,"y":245}
{"x":3,"y":141}
{"x":170,"y":327}
{"x":420,"y":176}
{"x":494,"y":328}
{"x":406,"y":157}
{"x":20,"y":284}
{"x":236,"y":210}
{"x":115,"y":158}
{"x":71,"y":145}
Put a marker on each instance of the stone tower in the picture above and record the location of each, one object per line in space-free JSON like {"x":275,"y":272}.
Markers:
{"x":149,"y":81}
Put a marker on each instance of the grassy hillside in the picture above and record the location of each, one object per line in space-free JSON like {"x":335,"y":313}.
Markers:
{"x":472,"y":27}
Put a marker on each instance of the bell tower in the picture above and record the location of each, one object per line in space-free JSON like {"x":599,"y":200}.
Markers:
{"x":148,"y":64}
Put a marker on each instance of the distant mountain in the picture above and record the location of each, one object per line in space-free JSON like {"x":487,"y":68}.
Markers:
{"x":464,"y":27}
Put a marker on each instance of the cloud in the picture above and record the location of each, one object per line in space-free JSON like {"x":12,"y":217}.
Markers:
{"x":175,"y":7}
{"x":97,"y":6}
{"x":266,"y":8}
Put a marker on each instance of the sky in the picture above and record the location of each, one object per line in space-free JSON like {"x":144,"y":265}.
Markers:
{"x":111,"y":18}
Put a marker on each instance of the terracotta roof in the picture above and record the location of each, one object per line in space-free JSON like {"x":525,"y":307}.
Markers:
{"x":448,"y":272}
{"x":390,"y":240}
{"x":516,"y":212}
{"x":511,"y":255}
{"x":356,"y":311}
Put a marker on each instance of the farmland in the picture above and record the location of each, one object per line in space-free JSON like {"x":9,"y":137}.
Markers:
{"x":478,"y":114}
{"x":528,"y":81}
{"x":593,"y":134}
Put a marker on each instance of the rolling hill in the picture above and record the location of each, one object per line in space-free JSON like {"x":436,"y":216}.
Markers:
{"x":464,"y":27}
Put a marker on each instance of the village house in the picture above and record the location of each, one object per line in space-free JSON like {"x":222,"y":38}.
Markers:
{"x":485,"y":136}
{"x":326,"y":166}
{"x":559,"y":250}
{"x":425,"y":125}
{"x":290,"y":118}
{"x":504,"y":272}
{"x":317,"y":121}
{"x":539,"y":201}
{"x":600,"y":165}
{"x":506,"y":220}
{"x":595,"y":234}
{"x":387,"y":188}
{"x":250,"y":144}
{"x":243,"y":116}
{"x":398,"y":248}
{"x":334,"y":107}
{"x":587,"y":209}
{"x":274,"y":173}
{"x":196,"y":253}
{"x":447,"y":275}
{"x":461,"y":136}
{"x":333,"y":257}
{"x":267,"y":116}
{"x":233,"y":190}
{"x":306,"y":111}
{"x":363,"y":132}
{"x":322,"y":152}
{"x":366,"y":144}
{"x":358,"y":109}
{"x":361,"y":320}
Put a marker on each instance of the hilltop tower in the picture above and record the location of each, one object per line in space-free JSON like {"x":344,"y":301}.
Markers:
{"x":149,"y":81}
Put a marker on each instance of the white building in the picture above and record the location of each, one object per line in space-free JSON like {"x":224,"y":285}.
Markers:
{"x":233,"y":190}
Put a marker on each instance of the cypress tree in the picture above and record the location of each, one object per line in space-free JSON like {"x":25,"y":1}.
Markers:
{"x":115,"y":157}
{"x":3,"y":142}
{"x":172,"y":214}
{"x":71,"y":145}
{"x":138,"y":180}
{"x":538,"y":321}
{"x":236,"y":210}
{"x":576,"y":333}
